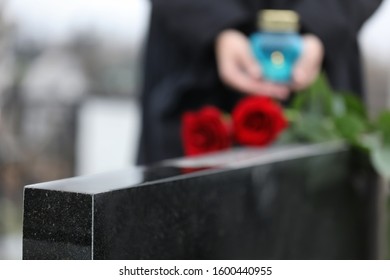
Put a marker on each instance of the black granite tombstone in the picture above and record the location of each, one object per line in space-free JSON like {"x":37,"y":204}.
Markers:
{"x":297,"y":202}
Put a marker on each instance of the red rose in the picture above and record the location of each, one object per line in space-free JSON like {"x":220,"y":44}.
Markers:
{"x":257,"y":121}
{"x":205,"y":131}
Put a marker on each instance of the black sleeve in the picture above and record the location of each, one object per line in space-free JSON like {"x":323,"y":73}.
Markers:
{"x":359,"y":10}
{"x":335,"y":22}
{"x":195,"y":23}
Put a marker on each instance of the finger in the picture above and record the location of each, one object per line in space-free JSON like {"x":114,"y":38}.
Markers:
{"x":301,"y":70}
{"x":303,"y":76}
{"x":249,"y":64}
{"x":300,"y":78}
{"x":270,"y":89}
{"x":308,"y":66}
{"x":235,"y":77}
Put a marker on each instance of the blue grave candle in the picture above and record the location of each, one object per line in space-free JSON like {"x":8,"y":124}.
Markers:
{"x":277,"y":45}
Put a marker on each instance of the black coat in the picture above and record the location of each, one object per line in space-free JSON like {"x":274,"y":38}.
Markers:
{"x":180,"y":71}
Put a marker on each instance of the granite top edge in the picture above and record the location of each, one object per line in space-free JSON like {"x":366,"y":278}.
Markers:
{"x":133,"y":176}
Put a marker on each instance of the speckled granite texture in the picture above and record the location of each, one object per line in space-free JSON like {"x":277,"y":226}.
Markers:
{"x":283,"y":203}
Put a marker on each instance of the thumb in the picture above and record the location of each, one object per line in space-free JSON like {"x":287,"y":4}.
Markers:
{"x":249,"y":63}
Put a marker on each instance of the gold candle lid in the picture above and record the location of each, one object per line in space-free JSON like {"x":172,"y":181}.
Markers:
{"x":278,"y":21}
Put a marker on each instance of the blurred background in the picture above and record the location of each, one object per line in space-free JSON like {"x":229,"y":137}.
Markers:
{"x":70,"y":74}
{"x":69,"y":83}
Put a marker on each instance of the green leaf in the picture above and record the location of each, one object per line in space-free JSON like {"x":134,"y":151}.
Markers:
{"x":354,"y":105}
{"x":350,"y":127}
{"x":287,"y":137}
{"x":322,"y":84}
{"x":315,"y":129}
{"x":315,"y":100}
{"x":383,"y":125}
{"x":380,"y":158}
{"x":339,"y":107}
{"x":301,"y":100}
{"x":292,"y":115}
{"x":379,"y":154}
{"x":370,"y":141}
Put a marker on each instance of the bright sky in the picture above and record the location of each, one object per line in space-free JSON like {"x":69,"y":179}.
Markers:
{"x":57,"y":19}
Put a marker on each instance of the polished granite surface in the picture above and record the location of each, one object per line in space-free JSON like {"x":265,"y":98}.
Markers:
{"x":136,"y":176}
{"x":296,"y":202}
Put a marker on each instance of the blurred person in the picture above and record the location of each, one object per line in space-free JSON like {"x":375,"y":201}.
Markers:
{"x":198,"y":53}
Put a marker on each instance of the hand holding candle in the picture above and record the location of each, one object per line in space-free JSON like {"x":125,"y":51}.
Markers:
{"x":275,"y":74}
{"x":239,"y":69}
